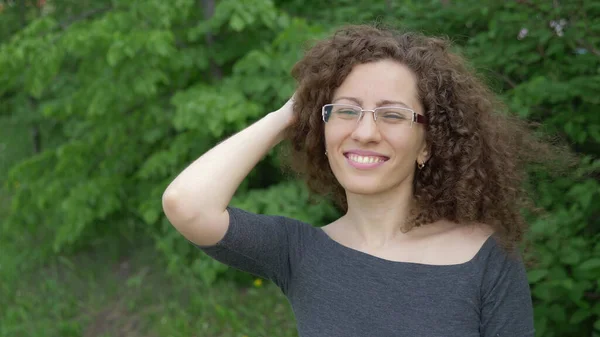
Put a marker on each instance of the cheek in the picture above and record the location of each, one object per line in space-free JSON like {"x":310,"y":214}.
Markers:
{"x":405,"y":144}
{"x":333,"y":137}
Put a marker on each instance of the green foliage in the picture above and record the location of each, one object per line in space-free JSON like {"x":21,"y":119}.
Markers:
{"x":123,"y":94}
{"x":92,"y":295}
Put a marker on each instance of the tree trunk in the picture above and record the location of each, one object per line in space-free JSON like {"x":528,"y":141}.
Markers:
{"x":208,"y":9}
{"x":36,"y":139}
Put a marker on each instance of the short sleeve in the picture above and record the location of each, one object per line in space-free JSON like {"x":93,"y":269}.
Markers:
{"x":267,"y":246}
{"x":507,"y":308}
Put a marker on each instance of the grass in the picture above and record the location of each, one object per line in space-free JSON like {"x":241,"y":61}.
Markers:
{"x":91,"y":296}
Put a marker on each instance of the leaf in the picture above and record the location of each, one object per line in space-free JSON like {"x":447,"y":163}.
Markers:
{"x":115,"y":54}
{"x":570,"y":255}
{"x":590,"y":264}
{"x":237,"y":23}
{"x":534,"y":276}
{"x":579,"y":316}
{"x":151,"y":216}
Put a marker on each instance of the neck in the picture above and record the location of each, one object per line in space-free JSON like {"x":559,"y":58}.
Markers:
{"x":378,"y":219}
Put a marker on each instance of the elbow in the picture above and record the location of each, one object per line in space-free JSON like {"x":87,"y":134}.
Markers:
{"x":194,"y":222}
{"x":174,"y":208}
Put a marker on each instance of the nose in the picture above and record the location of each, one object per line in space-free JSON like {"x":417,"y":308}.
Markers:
{"x":366,"y":130}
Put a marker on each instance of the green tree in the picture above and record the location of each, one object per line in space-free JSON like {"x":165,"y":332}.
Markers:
{"x":115,"y":97}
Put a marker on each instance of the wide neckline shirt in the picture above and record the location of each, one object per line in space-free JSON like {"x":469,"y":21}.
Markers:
{"x":337,"y":291}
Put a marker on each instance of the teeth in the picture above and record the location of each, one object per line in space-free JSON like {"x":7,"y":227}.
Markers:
{"x":365,"y":159}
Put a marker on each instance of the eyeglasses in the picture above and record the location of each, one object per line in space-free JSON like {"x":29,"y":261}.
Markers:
{"x":386,"y":117}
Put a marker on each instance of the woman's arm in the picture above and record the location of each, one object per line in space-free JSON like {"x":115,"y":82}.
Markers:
{"x":196,"y":201}
{"x":507,"y":308}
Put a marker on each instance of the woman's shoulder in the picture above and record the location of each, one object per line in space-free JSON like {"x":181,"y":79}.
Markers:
{"x":444,"y":243}
{"x":464,"y":243}
{"x":492,"y":257}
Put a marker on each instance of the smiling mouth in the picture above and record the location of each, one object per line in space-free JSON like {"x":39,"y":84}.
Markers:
{"x":365,"y":159}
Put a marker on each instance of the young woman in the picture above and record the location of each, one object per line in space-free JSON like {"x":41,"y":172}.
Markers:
{"x":412,"y":146}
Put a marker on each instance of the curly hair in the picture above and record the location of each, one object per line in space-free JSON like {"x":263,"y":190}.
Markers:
{"x":476,"y":171}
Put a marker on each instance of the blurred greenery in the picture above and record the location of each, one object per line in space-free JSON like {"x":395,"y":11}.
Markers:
{"x":103,"y":102}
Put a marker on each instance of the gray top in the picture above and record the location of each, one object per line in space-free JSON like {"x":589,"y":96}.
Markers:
{"x":336,"y":291}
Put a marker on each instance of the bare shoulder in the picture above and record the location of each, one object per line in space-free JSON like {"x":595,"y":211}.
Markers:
{"x":475,"y":233}
{"x":444,"y":243}
{"x":468,"y":239}
{"x":458,"y":244}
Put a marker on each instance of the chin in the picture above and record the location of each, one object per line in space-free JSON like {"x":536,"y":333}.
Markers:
{"x":364,"y":186}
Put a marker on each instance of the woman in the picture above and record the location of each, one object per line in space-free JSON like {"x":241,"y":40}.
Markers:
{"x":408,"y":141}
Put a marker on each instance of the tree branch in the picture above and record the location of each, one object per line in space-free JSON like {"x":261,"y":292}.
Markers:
{"x":592,"y":296}
{"x":85,"y":15}
{"x":506,"y":79}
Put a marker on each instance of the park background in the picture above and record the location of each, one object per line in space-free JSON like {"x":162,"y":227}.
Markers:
{"x":103,"y":102}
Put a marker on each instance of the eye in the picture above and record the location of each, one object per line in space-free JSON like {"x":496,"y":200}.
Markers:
{"x":394,"y":115}
{"x":344,"y":112}
{"x":347,"y":112}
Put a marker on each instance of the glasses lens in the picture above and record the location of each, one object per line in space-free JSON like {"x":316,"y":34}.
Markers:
{"x":340,"y":113}
{"x":394,"y":116}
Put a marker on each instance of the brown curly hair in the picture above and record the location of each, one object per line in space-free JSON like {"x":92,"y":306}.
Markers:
{"x":476,"y":170}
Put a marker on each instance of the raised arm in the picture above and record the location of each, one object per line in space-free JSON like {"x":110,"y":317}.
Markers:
{"x":196,"y":201}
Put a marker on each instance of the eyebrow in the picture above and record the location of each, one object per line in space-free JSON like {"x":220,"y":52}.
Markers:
{"x":380,"y":103}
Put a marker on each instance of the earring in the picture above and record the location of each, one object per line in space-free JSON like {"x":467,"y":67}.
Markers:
{"x":325,"y":152}
{"x":421,"y":165}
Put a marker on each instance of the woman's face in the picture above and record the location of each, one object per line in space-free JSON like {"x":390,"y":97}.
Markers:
{"x":369,"y":157}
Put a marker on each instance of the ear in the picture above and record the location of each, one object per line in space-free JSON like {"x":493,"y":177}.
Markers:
{"x":424,"y":154}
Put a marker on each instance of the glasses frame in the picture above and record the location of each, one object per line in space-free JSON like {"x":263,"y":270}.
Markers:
{"x":416,"y":118}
